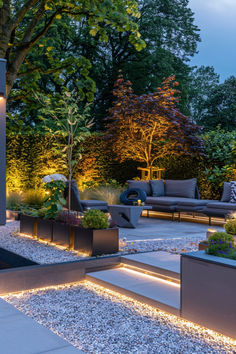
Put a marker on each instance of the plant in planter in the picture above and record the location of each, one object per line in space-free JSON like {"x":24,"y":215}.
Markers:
{"x":63,"y":232}
{"x":53,"y":204}
{"x":94,"y":237}
{"x":230,"y":227}
{"x":221,"y":244}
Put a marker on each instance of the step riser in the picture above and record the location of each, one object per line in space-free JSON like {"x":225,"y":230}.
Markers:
{"x":135,"y":296}
{"x":151,"y":269}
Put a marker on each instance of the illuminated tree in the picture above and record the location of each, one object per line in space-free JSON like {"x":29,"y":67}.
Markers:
{"x":148,"y":127}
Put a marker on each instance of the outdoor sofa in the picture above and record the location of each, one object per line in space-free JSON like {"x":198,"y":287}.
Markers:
{"x":183,"y":196}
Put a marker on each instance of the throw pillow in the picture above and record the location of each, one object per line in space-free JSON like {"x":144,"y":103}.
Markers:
{"x":181,"y":188}
{"x":158,"y":189}
{"x":233,"y":192}
{"x":226,"y":192}
{"x":143,"y":185}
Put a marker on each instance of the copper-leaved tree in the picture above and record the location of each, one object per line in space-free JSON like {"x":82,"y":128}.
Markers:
{"x":148,"y":127}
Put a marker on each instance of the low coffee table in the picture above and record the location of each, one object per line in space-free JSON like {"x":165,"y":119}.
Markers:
{"x":127,"y":215}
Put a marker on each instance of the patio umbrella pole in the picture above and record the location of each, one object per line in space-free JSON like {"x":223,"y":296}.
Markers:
{"x":3,"y":141}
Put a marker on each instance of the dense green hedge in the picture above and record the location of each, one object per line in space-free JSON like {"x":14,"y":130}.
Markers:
{"x":32,"y":156}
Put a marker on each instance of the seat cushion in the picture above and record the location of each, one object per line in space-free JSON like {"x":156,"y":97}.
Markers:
{"x":194,"y":202}
{"x":90,"y":203}
{"x":226,"y":192}
{"x":221,"y":205}
{"x":162,"y":200}
{"x":143,"y":185}
{"x":180,"y":188}
{"x":157,"y":187}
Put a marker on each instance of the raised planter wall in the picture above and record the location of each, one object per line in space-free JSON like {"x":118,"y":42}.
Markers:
{"x":44,"y":229}
{"x":208,"y":291}
{"x":28,"y":225}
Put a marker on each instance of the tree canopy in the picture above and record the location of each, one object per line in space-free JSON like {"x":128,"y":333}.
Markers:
{"x":23,"y":24}
{"x":145,"y":128}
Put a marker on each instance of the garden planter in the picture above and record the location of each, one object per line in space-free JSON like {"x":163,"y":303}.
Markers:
{"x":62,"y":234}
{"x":208,"y":289}
{"x":45,"y":229}
{"x":28,"y":225}
{"x":96,"y":242}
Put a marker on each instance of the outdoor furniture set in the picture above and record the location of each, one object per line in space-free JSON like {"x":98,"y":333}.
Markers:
{"x":183,"y":196}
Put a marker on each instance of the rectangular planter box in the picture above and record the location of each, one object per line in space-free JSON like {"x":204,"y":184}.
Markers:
{"x":62,"y":234}
{"x":208,"y":288}
{"x":45,"y":229}
{"x":96,"y":242}
{"x":28,"y":225}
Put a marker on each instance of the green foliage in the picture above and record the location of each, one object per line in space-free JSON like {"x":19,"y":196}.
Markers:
{"x":230,"y":227}
{"x":109,"y":193}
{"x":94,"y":219}
{"x":34,"y":197}
{"x":54,"y":201}
{"x":29,"y":158}
{"x":221,"y":244}
{"x":14,"y":201}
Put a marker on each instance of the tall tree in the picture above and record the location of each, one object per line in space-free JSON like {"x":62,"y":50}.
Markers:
{"x":148,"y":127}
{"x":24,"y":23}
{"x":203,"y":81}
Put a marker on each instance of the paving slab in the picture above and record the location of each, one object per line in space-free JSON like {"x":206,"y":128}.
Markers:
{"x":154,"y":228}
{"x":140,"y":286}
{"x":20,"y":334}
{"x":161,"y":262}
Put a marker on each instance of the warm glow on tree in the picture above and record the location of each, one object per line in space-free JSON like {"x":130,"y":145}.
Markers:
{"x":145,"y":128}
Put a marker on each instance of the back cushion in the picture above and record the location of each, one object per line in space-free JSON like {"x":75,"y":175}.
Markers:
{"x":158,"y":189}
{"x":233,"y":192}
{"x":143,"y":185}
{"x":226,"y":192}
{"x":180,"y":188}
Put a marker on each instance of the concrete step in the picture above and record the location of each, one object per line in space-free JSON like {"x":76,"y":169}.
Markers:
{"x":152,"y":290}
{"x":158,"y":263}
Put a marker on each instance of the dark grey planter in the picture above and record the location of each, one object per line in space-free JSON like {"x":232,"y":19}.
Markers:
{"x":62,"y":234}
{"x":208,"y":289}
{"x":45,"y":229}
{"x":28,"y":225}
{"x":96,"y":242}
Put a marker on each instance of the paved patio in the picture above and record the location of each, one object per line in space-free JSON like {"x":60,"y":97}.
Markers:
{"x":153,"y":228}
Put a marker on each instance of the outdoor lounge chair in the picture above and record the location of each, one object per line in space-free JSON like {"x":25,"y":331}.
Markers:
{"x":82,"y":205}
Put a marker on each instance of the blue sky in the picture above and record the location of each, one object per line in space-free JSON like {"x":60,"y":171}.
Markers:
{"x":217,"y":22}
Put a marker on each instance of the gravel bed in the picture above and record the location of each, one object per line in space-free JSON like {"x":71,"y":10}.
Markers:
{"x":27,"y":247}
{"x":97,"y":320}
{"x":44,"y":253}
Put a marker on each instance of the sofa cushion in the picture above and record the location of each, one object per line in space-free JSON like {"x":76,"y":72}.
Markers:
{"x":165,"y":200}
{"x":233,"y":192}
{"x":194,"y":202}
{"x":144,"y":185}
{"x":222,"y":205}
{"x":90,"y":203}
{"x":226,"y":192}
{"x":180,"y":188}
{"x":157,"y":187}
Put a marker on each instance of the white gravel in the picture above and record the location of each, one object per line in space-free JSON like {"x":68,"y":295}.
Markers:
{"x":44,"y":253}
{"x":30,"y":248}
{"x":96,"y":320}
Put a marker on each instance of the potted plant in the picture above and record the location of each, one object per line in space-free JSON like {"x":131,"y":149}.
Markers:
{"x":53,"y":204}
{"x":95,"y":236}
{"x":63,"y":231}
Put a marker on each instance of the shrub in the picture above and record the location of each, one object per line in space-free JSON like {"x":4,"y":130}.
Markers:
{"x":94,"y":219}
{"x":34,"y":197}
{"x":107,"y":192}
{"x":221,"y":244}
{"x":68,"y":217}
{"x":230,"y":227}
{"x":14,"y":201}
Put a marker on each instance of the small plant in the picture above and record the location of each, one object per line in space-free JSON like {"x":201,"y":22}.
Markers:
{"x":34,"y":197}
{"x":54,"y":201}
{"x":221,"y":244}
{"x":95,"y":219}
{"x":14,"y":201}
{"x":230,"y":227}
{"x":68,"y":218}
